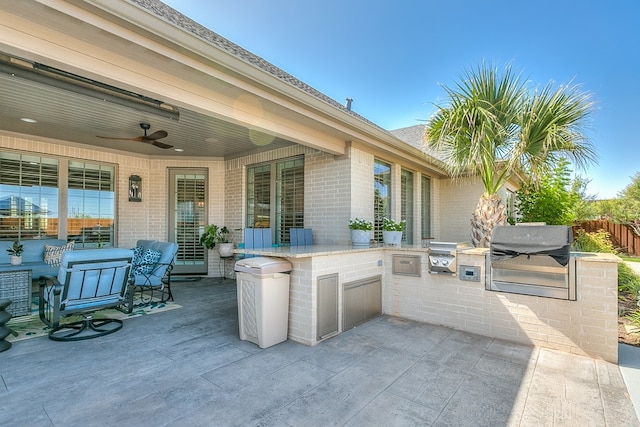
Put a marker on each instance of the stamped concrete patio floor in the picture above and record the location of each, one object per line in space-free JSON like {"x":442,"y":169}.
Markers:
{"x":187,"y":367}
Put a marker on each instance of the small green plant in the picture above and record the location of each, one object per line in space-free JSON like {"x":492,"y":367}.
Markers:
{"x":360,"y":224}
{"x":213,"y":235}
{"x":390,"y":225}
{"x":16,"y":250}
{"x":634,"y":317}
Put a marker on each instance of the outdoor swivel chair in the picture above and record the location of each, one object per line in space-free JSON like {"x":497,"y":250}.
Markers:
{"x":87,"y":281}
{"x":152,"y":265}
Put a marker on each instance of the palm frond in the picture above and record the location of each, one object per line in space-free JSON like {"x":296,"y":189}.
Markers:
{"x":495,"y":126}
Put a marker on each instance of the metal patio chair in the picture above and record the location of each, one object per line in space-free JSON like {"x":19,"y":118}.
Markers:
{"x":87,"y":281}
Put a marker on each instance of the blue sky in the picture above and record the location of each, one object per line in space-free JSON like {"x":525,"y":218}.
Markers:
{"x":391,"y":57}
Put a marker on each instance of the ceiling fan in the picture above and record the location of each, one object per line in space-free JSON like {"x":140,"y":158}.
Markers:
{"x":150,"y":139}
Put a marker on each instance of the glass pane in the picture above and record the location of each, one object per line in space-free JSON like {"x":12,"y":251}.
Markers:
{"x":426,"y":207}
{"x":289,"y":198}
{"x":406,"y":204}
{"x":189,"y":214}
{"x":259,"y":197}
{"x":382,"y":196}
{"x":28,"y":197}
{"x":91,"y":204}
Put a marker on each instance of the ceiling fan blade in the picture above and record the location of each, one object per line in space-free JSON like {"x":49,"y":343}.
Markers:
{"x":119,"y":139}
{"x":161,"y":145}
{"x":156,"y":135}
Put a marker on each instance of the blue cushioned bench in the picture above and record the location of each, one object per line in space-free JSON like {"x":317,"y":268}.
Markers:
{"x":16,"y":280}
{"x":32,"y":258}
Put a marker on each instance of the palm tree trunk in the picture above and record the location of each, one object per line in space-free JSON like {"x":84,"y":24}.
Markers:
{"x":490,"y":212}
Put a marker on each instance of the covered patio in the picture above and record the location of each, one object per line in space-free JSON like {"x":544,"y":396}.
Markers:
{"x":74,"y":72}
{"x":188,"y":367}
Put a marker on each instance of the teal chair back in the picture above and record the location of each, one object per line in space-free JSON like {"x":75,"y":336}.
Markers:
{"x":257,"y":238}
{"x":300,"y":237}
{"x":94,"y":278}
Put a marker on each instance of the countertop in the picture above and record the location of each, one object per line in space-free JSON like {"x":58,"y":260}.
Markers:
{"x":322,"y":250}
{"x":325,"y":250}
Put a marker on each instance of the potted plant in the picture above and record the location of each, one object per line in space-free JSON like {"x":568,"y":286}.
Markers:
{"x":360,"y":232}
{"x":15,"y":253}
{"x":214,"y":235}
{"x":392,"y":231}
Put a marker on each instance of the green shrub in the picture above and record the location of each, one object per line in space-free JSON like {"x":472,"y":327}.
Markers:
{"x":599,"y":241}
{"x":628,"y":279}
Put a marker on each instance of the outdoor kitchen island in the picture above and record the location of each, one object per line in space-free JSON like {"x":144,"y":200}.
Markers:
{"x":323,"y":273}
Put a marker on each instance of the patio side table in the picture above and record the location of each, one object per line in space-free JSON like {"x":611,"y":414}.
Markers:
{"x":225,"y":271}
{"x":16,"y":286}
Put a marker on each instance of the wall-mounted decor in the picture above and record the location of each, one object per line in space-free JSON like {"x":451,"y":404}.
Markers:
{"x":135,"y":188}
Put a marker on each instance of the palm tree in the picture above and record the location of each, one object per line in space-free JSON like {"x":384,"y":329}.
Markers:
{"x":496,"y":126}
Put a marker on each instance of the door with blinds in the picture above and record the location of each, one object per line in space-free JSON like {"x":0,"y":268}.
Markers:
{"x":187,"y":217}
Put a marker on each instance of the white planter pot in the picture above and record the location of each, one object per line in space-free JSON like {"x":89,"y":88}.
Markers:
{"x":224,"y":249}
{"x":392,"y":237}
{"x":360,"y":238}
{"x":15,"y":260}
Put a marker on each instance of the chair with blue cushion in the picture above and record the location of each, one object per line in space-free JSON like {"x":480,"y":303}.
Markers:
{"x":152,"y":265}
{"x":300,"y":237}
{"x":87,"y":281}
{"x":255,"y":238}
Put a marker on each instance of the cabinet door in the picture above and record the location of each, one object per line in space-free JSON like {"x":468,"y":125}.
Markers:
{"x":373,"y":299}
{"x":353,"y":301}
{"x":327,"y":306}
{"x":362,"y":300}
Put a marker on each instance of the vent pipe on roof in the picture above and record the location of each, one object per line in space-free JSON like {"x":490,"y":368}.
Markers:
{"x":349,"y":101}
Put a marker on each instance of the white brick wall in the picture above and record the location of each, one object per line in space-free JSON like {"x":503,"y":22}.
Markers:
{"x":587,"y":326}
{"x":303,"y":303}
{"x":457,"y":201}
{"x":327,"y":197}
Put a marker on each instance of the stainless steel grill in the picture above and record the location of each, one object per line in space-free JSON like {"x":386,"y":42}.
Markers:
{"x":442,"y":257}
{"x":532,"y":260}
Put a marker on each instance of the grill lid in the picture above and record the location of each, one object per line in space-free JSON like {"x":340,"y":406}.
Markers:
{"x":510,"y":241}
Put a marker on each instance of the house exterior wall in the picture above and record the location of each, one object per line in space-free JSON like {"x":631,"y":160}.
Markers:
{"x":147,"y":219}
{"x":327,"y":194}
{"x":457,"y":200}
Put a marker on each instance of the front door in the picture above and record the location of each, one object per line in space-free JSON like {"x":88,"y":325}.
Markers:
{"x":187,"y":201}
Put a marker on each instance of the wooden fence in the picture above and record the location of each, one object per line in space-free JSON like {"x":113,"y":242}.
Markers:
{"x":622,"y":236}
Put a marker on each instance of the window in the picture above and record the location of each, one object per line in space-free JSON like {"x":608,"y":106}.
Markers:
{"x":28,"y":197}
{"x":91,"y":204}
{"x":32,"y":204}
{"x":275,"y":197}
{"x":426,"y":207}
{"x":381,"y":197}
{"x":406,"y":204}
{"x":259,"y":197}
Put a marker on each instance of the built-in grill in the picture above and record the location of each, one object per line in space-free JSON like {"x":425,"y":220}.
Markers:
{"x":532,"y":260}
{"x":442,"y":257}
